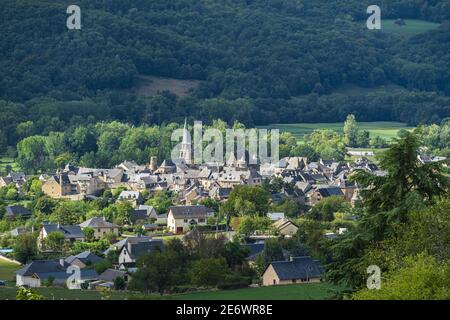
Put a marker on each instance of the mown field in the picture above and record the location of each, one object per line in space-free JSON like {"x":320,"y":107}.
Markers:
{"x":7,"y":270}
{"x":386,"y":130}
{"x":313,"y":291}
{"x":9,"y":293}
{"x":411,"y":28}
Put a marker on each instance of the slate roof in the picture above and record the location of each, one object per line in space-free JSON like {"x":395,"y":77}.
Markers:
{"x":85,"y":274}
{"x":98,"y":222}
{"x":85,"y":256}
{"x":330,"y":191}
{"x":17,"y":176}
{"x":42,"y":266}
{"x":189,"y":212}
{"x":138,"y":214}
{"x":112,"y":274}
{"x":69,"y":231}
{"x":140,"y":248}
{"x":17,"y":210}
{"x":254,"y":250}
{"x":120,"y":244}
{"x":298,"y":268}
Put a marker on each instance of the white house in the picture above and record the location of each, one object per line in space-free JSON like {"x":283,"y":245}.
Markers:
{"x":182,"y":218}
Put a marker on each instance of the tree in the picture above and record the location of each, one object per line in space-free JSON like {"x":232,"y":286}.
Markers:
{"x":55,"y":241}
{"x":69,"y":212}
{"x":25,"y":247}
{"x":156,"y":272}
{"x":119,"y":283}
{"x":273,"y":251}
{"x":350,"y":131}
{"x":247,"y":200}
{"x":33,"y":154}
{"x":388,"y":201}
{"x":235,"y":254}
{"x":89,"y":233}
{"x":325,"y":209}
{"x":208,"y":272}
{"x":28,"y":294}
{"x":161,"y":201}
{"x":421,"y":278}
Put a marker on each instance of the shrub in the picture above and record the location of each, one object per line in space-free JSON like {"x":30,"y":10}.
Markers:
{"x":234,"y":282}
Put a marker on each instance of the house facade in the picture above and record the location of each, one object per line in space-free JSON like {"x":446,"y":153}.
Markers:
{"x":296,"y":270}
{"x":181,"y":219}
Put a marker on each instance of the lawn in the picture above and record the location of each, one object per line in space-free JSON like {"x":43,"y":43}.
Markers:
{"x":9,"y":293}
{"x":411,"y":28}
{"x":313,"y":291}
{"x":7,"y":270}
{"x":386,"y":130}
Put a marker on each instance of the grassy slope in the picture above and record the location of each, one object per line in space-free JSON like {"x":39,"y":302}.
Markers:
{"x":9,"y":293}
{"x":7,"y":270}
{"x":411,"y":28}
{"x":386,"y":130}
{"x":316,"y":291}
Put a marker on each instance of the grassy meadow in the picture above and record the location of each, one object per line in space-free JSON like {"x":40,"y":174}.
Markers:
{"x":411,"y":28}
{"x":311,"y":291}
{"x":386,"y":130}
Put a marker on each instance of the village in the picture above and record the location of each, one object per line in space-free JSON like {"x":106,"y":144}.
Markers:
{"x":107,"y":250}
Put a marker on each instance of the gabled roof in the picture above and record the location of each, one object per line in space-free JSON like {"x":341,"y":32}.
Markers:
{"x":254,"y":249}
{"x":39,"y":266}
{"x":120,"y":244}
{"x":85,"y":257}
{"x":17,"y":176}
{"x":129,"y":195}
{"x":137,"y":249}
{"x":283,"y":223}
{"x":98,"y":222}
{"x":330,"y":191}
{"x":17,"y":210}
{"x":186,"y":212}
{"x":298,"y":268}
{"x":112,"y":274}
{"x":69,"y":231}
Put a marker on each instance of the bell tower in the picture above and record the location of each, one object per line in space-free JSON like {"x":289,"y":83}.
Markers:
{"x":185,"y":151}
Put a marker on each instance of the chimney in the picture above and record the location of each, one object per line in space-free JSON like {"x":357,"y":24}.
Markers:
{"x":104,"y":218}
{"x":291,"y":258}
{"x":58,"y":226}
{"x":61,"y":262}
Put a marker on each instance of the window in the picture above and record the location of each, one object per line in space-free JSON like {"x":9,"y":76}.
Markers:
{"x":294,"y":280}
{"x":185,"y":220}
{"x":201,"y":220}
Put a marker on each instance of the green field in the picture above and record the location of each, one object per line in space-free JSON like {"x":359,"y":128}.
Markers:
{"x":386,"y":130}
{"x":9,"y":293}
{"x":313,"y":291}
{"x":411,"y":28}
{"x":7,"y":270}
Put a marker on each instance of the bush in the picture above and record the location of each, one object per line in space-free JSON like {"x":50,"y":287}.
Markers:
{"x":234,"y":282}
{"x":182,"y":289}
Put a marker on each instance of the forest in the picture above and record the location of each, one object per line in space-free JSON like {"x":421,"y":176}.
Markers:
{"x":259,"y":62}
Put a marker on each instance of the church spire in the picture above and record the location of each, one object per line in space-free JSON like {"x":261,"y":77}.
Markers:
{"x":185,"y":151}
